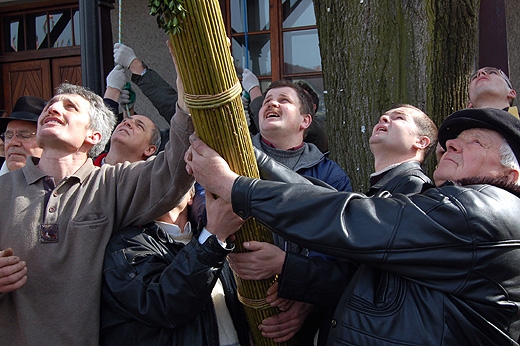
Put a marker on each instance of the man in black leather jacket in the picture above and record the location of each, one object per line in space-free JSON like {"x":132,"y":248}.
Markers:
{"x":401,"y":140}
{"x":161,"y":288}
{"x":450,"y":254}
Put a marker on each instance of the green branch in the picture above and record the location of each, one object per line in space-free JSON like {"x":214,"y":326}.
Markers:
{"x":170,"y":14}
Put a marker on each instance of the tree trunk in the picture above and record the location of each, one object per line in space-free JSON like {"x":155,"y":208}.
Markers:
{"x":378,"y":54}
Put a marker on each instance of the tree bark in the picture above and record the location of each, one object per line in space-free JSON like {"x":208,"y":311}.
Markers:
{"x":378,"y":54}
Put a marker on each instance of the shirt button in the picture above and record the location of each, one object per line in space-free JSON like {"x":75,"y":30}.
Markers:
{"x":334,"y":323}
{"x":52,"y":210}
{"x":241,"y":213}
{"x":55,"y":194}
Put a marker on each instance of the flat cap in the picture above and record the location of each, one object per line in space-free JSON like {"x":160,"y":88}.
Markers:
{"x":494,"y":119}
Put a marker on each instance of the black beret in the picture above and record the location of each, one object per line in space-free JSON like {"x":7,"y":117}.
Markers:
{"x":494,"y":119}
{"x":27,"y":108}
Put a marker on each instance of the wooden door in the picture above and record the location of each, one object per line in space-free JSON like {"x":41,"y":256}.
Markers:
{"x":66,"y":70}
{"x":38,"y":78}
{"x":26,"y":78}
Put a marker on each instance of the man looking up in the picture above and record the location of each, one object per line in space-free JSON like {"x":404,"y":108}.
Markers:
{"x":401,"y":140}
{"x":18,"y":132}
{"x":452,"y":251}
{"x":490,"y":87}
{"x":60,"y":211}
{"x":285,"y":116}
{"x":136,"y":138}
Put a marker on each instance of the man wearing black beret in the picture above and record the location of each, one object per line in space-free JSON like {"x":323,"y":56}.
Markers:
{"x":444,"y":263}
{"x":18,"y":131}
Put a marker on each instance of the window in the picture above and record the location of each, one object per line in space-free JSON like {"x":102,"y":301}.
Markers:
{"x":277,"y":42}
{"x":41,"y":30}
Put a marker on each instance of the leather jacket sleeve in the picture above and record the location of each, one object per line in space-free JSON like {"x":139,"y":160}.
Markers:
{"x":426,"y":237}
{"x":160,"y":283}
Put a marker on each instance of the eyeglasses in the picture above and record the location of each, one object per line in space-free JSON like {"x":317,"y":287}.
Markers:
{"x":23,"y":136}
{"x":492,"y":70}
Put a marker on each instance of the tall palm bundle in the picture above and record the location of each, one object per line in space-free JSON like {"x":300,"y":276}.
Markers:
{"x":213,"y":91}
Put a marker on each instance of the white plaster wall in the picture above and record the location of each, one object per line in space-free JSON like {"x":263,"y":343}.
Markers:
{"x":139,"y":31}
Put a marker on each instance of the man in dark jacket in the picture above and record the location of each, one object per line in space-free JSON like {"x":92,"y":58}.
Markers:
{"x":284,"y":118}
{"x":401,"y":140}
{"x":164,"y":285}
{"x":451,"y":253}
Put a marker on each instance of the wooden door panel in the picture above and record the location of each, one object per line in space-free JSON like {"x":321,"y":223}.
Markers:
{"x":26,"y":78}
{"x":66,"y":70}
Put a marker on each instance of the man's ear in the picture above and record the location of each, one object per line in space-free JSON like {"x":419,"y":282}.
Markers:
{"x":306,"y":122}
{"x":511,"y":94}
{"x":93,"y":138}
{"x":422,"y":142}
{"x":512,"y":175}
{"x":150,"y":151}
{"x":469,"y":105}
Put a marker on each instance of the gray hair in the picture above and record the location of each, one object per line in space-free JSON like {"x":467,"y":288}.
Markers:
{"x":102,"y":119}
{"x":508,"y":158}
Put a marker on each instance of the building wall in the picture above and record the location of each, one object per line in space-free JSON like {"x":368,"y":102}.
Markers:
{"x":139,"y":31}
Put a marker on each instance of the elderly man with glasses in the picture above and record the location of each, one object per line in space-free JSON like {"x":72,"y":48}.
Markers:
{"x":18,"y":131}
{"x":490,"y":87}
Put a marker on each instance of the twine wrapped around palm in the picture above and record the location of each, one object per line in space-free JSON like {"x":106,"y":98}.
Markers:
{"x":212,"y":90}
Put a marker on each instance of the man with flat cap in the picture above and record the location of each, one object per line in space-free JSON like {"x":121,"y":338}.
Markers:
{"x":18,"y":131}
{"x":445,"y":263}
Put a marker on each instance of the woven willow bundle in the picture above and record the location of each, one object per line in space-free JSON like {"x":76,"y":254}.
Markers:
{"x":212,"y":89}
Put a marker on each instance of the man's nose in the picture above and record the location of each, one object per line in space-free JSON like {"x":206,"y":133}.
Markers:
{"x":453,"y":145}
{"x":481,"y":72}
{"x":384,"y":119}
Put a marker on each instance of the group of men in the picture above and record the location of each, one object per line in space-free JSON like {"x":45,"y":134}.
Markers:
{"x":412,"y":264}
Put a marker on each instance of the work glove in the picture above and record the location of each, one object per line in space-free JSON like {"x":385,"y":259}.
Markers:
{"x":123,"y":55}
{"x":117,"y":78}
{"x":125,"y":100}
{"x":249,"y":80}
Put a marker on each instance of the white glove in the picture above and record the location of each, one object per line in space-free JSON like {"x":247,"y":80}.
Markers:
{"x":117,"y":78}
{"x":124,"y":99}
{"x":249,"y":80}
{"x":248,"y":118}
{"x":123,"y":55}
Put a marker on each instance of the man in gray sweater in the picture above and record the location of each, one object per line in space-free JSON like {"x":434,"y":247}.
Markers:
{"x":58,"y":213}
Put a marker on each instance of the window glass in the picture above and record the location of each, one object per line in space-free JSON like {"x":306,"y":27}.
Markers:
{"x":41,"y":30}
{"x":257,"y":15}
{"x":15,"y":41}
{"x":60,"y":29}
{"x":298,"y":13}
{"x":36,"y":24}
{"x":301,"y":51}
{"x":75,"y":20}
{"x":316,"y":83}
{"x":258,"y":54}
